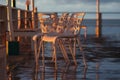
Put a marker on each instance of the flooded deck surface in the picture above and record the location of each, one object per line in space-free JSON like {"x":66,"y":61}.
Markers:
{"x":103,"y":59}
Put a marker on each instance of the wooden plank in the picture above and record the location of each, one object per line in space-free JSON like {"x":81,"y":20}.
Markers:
{"x":3,"y":71}
{"x":1,"y":21}
{"x":24,"y":33}
{"x":10,"y":24}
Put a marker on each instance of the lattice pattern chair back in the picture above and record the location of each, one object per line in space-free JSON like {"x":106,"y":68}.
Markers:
{"x":62,"y":22}
{"x":75,"y":22}
{"x":53,"y":19}
{"x":61,"y":25}
{"x":63,"y":17}
{"x":44,"y":20}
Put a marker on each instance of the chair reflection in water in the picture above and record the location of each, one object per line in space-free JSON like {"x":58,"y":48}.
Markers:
{"x":66,"y":28}
{"x":63,"y":74}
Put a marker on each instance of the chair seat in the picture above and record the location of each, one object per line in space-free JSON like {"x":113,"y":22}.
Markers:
{"x":47,"y":38}
{"x":66,"y":34}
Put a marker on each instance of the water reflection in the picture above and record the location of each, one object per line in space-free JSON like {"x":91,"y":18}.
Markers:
{"x":99,"y":66}
{"x":67,"y":72}
{"x":97,"y":70}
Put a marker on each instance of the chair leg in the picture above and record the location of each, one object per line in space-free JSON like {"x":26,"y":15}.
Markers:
{"x":53,"y":56}
{"x":62,"y":47}
{"x":43,"y":57}
{"x":81,"y":49}
{"x":54,"y":53}
{"x":74,"y":48}
{"x":70,"y":47}
{"x":73,"y":51}
{"x":40,"y":46}
{"x":85,"y":33}
{"x":35,"y":49}
{"x":38,"y":53}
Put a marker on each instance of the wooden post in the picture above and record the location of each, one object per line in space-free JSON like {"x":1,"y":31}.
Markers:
{"x":3,"y":64}
{"x":13,"y":3}
{"x":98,"y":19}
{"x":27,"y":7}
{"x":27,"y":4}
{"x":19,"y":23}
{"x":36,"y":18}
{"x":26,"y":13}
{"x":26,"y":20}
{"x":33,"y":15}
{"x":10,"y":23}
{"x":33,"y":5}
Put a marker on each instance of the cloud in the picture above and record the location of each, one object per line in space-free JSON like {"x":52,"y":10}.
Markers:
{"x":20,"y":4}
{"x":62,"y":5}
{"x":72,"y":5}
{"x":110,"y":7}
{"x":109,"y":1}
{"x":84,"y":1}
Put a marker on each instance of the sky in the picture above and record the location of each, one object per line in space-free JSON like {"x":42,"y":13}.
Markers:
{"x":77,"y":5}
{"x":73,"y":6}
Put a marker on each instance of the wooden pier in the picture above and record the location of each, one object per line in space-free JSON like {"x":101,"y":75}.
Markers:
{"x":19,"y":23}
{"x":3,"y":63}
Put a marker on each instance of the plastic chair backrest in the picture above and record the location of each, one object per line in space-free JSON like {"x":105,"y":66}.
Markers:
{"x":75,"y":22}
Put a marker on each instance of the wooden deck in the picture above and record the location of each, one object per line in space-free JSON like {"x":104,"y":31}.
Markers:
{"x":3,"y":71}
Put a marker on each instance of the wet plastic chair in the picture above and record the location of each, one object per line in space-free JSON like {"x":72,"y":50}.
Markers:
{"x":52,"y":37}
{"x":72,"y":32}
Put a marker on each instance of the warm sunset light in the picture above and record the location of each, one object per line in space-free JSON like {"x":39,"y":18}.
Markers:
{"x":59,"y":39}
{"x":27,"y":2}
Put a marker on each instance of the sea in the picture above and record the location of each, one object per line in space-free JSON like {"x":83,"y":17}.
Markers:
{"x":109,"y":26}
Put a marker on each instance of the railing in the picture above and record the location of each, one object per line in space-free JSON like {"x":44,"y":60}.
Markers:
{"x":3,"y":23}
{"x":22,"y":19}
{"x":3,"y":63}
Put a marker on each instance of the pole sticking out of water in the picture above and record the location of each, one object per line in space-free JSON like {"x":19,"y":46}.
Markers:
{"x":98,"y":19}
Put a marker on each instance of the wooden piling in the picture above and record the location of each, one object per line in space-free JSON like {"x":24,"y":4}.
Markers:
{"x":27,"y":4}
{"x":10,"y":24}
{"x":98,"y":20}
{"x":13,"y":3}
{"x":33,"y":15}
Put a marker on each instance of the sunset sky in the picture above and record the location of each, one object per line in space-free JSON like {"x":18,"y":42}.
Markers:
{"x":73,"y":5}
{"x":77,"y":5}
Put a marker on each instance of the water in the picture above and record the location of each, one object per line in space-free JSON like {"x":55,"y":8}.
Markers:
{"x":109,"y":26}
{"x":102,"y":54}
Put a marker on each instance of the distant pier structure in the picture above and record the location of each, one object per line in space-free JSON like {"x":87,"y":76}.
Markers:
{"x":98,"y":20}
